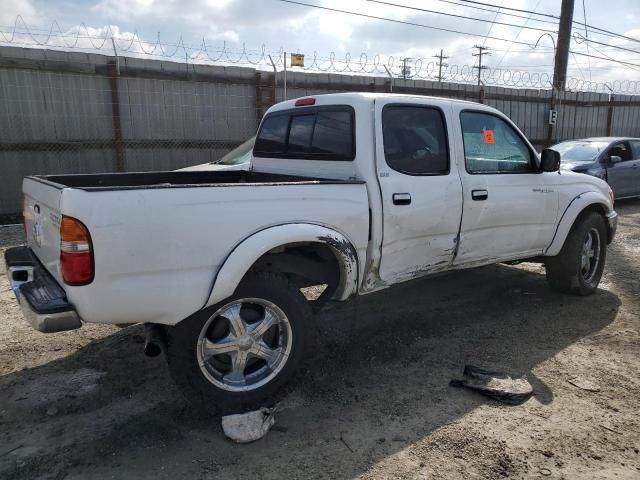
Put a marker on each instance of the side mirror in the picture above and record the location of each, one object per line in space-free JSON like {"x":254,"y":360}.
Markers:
{"x":613,"y":159}
{"x":549,"y":160}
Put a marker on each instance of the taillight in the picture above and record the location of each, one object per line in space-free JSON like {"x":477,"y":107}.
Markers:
{"x":76,"y":255}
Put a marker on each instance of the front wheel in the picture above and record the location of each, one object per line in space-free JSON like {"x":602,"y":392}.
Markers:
{"x":578,"y":267}
{"x":240,"y":353}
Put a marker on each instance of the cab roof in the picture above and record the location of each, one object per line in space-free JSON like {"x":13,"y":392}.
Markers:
{"x":359,"y":97}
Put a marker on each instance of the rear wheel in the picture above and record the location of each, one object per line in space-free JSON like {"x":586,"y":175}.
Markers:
{"x":578,"y":267}
{"x":240,"y":353}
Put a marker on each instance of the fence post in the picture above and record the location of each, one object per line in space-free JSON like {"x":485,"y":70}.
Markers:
{"x":552,"y":106}
{"x":610,"y":115}
{"x":481,"y":96}
{"x":112,"y":71}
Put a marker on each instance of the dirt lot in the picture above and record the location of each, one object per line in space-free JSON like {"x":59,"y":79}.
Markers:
{"x":375,"y":401}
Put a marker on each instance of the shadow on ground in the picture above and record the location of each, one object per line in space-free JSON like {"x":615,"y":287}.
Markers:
{"x":376,"y":383}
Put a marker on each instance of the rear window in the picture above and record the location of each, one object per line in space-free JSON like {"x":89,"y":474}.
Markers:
{"x":315,"y":133}
{"x":273,"y":134}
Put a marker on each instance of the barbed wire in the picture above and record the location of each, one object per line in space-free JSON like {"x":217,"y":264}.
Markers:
{"x":113,"y":42}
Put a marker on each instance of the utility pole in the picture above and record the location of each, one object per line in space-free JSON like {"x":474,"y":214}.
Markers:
{"x":562,"y":50}
{"x":482,"y":50}
{"x":441,"y":64}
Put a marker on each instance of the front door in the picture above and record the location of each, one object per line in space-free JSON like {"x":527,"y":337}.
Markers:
{"x":621,"y":175}
{"x":421,"y":194}
{"x":509,"y":207}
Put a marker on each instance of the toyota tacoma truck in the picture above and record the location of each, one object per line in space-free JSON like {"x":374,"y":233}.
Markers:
{"x":350,"y":193}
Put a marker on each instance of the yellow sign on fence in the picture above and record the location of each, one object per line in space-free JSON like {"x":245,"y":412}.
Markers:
{"x":297,"y":60}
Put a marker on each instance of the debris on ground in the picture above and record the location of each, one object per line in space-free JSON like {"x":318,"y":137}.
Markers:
{"x":497,"y":385}
{"x":584,"y":384}
{"x":248,"y":427}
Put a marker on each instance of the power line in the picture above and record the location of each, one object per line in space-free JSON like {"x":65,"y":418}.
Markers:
{"x":548,"y":15}
{"x":587,"y":27}
{"x":586,"y":34}
{"x":457,"y":16}
{"x":512,"y":9}
{"x":489,"y":31}
{"x":606,"y":58}
{"x":577,"y":36}
{"x":518,"y":34}
{"x":515,"y":15}
{"x":402,"y":22}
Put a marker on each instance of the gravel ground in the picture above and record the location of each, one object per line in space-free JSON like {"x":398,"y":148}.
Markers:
{"x":10,"y":235}
{"x":375,"y":401}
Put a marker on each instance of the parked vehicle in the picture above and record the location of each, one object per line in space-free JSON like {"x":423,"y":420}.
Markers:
{"x":354,"y":192}
{"x":614,"y":159}
{"x":237,"y":159}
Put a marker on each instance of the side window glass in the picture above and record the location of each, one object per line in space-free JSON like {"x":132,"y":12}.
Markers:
{"x":273,"y":135}
{"x":636,"y":150}
{"x":300,"y":133}
{"x":333,"y":135}
{"x":414,"y":140}
{"x":491,"y":145}
{"x":621,"y":150}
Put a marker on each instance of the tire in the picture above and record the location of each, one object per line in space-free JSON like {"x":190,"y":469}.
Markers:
{"x":569,"y":271}
{"x":271,"y":355}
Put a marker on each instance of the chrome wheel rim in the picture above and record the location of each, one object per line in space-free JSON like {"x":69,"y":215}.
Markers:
{"x":244,"y":344}
{"x":590,"y":255}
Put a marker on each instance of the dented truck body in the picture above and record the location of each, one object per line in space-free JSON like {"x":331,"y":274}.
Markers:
{"x":413,"y":187}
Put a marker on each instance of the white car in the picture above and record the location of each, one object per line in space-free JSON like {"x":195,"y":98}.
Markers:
{"x":354,"y":192}
{"x":237,"y":159}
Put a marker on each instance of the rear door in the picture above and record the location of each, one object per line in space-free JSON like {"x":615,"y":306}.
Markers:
{"x":421,"y":189}
{"x":510,"y":207}
{"x":621,"y":176}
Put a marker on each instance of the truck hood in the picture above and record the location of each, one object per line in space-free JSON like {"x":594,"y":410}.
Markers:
{"x":589,"y":183}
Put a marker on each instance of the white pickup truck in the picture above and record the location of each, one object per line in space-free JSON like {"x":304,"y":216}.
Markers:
{"x":352,"y":192}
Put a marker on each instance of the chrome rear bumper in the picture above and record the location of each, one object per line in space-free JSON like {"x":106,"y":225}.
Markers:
{"x":43,"y":301}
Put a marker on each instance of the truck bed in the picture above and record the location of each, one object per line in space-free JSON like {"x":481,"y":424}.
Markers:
{"x":158,"y":239}
{"x":174,"y":179}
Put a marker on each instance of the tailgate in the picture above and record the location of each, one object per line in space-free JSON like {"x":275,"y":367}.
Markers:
{"x":42,"y":222}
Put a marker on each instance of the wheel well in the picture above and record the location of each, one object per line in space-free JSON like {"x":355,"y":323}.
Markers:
{"x":601,"y":210}
{"x":305,"y":264}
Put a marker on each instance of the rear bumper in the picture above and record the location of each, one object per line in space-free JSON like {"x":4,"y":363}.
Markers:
{"x":612,"y":225}
{"x":43,"y":301}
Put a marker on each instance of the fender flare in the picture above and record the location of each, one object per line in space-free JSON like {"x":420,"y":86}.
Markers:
{"x":247,"y":252}
{"x":576,"y":207}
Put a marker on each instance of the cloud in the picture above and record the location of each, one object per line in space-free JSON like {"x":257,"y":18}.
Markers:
{"x":12,"y":8}
{"x":275,"y":24}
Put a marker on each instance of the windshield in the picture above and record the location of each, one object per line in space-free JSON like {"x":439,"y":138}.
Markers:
{"x":580,"y":151}
{"x":240,"y":154}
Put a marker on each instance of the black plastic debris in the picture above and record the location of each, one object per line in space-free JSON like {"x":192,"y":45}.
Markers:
{"x":497,"y":385}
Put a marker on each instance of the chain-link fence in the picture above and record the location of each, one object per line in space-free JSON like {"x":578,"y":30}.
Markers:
{"x":63,"y":112}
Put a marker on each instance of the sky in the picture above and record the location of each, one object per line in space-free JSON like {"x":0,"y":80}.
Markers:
{"x":279,"y":26}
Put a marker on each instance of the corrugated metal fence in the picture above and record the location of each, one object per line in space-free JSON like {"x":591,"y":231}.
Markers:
{"x":67,"y":112}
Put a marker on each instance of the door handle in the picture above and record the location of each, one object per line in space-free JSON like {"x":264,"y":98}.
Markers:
{"x":479,"y":194}
{"x":401,"y":198}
